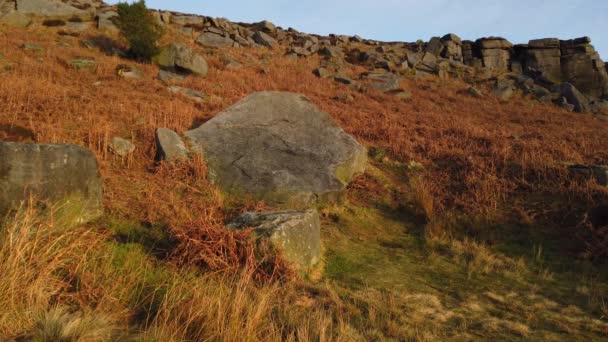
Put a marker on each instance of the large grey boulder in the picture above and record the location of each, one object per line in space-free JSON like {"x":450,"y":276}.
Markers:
{"x":278,"y":147}
{"x":182,"y":58}
{"x":296,"y":233}
{"x":53,"y":9}
{"x":53,"y":173}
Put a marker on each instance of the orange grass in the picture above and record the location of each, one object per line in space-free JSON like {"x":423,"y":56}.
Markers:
{"x":480,"y":155}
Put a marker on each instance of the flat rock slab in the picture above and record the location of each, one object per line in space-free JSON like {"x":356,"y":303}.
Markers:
{"x":296,"y":233}
{"x":54,"y":173}
{"x":280,"y":148}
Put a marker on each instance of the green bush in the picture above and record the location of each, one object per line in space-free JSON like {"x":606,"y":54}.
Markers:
{"x":140,"y":28}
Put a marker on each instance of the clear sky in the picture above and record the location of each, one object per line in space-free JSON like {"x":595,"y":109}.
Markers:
{"x":410,"y":20}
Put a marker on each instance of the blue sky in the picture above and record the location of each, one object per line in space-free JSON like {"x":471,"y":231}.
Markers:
{"x":409,"y":20}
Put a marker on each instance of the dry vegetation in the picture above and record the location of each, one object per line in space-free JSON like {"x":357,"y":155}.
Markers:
{"x":465,"y":167}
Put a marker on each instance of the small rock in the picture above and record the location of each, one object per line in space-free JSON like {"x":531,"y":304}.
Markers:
{"x":345,"y":98}
{"x":321,"y":72}
{"x":32,"y":47}
{"x":168,"y":76}
{"x":189,"y":93}
{"x":83,"y":64}
{"x":230,"y":64}
{"x":129,"y":72}
{"x":169,"y":146}
{"x":296,"y":233}
{"x":121,"y":147}
{"x":402,"y":94}
{"x":344,"y":80}
{"x":475,"y":92}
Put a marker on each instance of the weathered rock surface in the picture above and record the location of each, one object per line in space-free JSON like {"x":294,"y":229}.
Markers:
{"x":169,"y":146}
{"x":296,"y":233}
{"x":181,"y":58}
{"x":121,"y":147}
{"x":52,"y":9}
{"x":54,"y":173}
{"x":214,"y":40}
{"x":573,"y":96}
{"x":278,"y":147}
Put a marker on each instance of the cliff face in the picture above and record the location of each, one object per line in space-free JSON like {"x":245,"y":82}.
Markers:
{"x":540,"y":68}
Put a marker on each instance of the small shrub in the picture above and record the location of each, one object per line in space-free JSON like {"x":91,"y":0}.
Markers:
{"x":140,"y":29}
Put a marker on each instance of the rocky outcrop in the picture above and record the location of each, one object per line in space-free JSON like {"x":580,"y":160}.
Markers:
{"x":549,"y":62}
{"x":582,"y":67}
{"x":50,"y":173}
{"x":178,"y":57}
{"x":280,"y":148}
{"x":295,"y":233}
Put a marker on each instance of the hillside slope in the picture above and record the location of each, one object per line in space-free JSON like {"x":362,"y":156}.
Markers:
{"x":467,"y":225}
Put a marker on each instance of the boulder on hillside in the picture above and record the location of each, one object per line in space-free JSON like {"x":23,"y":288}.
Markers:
{"x":573,"y":96}
{"x":53,"y":9}
{"x":181,"y":58}
{"x":280,"y":148}
{"x":296,"y":233}
{"x":211,"y":39}
{"x":263,"y":39}
{"x":169,"y":146}
{"x":52,"y":173}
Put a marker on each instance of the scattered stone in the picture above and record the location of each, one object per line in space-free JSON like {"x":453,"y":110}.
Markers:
{"x":121,"y":147}
{"x":383,"y":82}
{"x":278,"y":147}
{"x":214,"y":40}
{"x":475,"y":92}
{"x":321,"y":72}
{"x":401,"y":94}
{"x":83,"y":63}
{"x":265,"y":26}
{"x":189,"y":93}
{"x":344,"y":80}
{"x":265,"y":40}
{"x":129,"y":72}
{"x":52,"y":173}
{"x":345,"y":98}
{"x":169,"y":146}
{"x":169,"y":77}
{"x":230,"y":64}
{"x":32,"y":47}
{"x":181,"y":58}
{"x":296,"y":233}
